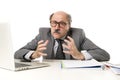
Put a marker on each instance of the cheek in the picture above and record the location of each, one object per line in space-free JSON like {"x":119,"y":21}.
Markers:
{"x":64,"y":31}
{"x":52,"y":31}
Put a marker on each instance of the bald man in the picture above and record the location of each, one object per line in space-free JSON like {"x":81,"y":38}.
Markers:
{"x":74,"y":43}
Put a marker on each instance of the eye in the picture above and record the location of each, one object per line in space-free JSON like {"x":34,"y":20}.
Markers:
{"x":62,"y":23}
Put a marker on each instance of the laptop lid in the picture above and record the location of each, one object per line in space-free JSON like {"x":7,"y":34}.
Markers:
{"x":7,"y":60}
{"x":6,"y":47}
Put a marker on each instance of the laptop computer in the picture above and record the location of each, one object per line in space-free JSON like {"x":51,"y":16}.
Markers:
{"x":7,"y":60}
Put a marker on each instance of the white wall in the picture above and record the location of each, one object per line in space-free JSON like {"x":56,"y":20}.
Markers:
{"x":99,"y":18}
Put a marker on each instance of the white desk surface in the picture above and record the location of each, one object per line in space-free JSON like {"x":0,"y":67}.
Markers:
{"x":55,"y":72}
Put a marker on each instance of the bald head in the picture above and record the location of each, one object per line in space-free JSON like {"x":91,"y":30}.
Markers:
{"x":62,"y":14}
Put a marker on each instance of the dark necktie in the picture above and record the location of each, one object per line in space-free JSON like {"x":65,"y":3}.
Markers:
{"x":59,"y":53}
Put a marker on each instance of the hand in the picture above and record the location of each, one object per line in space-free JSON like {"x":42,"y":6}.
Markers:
{"x":40,"y":48}
{"x":72,"y":50}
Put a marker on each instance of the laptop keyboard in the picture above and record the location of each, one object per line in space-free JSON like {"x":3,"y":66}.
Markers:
{"x":20,"y":65}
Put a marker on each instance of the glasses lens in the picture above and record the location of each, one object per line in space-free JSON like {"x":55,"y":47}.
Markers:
{"x":53,"y":23}
{"x":61,"y":24}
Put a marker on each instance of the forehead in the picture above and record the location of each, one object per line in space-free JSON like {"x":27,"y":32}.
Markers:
{"x":59,"y":17}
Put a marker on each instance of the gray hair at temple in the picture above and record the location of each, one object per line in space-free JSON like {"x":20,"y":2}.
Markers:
{"x":69,"y":18}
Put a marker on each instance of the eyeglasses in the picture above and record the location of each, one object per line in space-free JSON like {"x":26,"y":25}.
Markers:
{"x":61,"y":24}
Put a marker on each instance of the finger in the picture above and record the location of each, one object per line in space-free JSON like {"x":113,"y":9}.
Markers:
{"x":43,"y":54}
{"x":66,"y":52}
{"x":40,"y":42}
{"x":66,"y":41}
{"x":41,"y":45}
{"x":46,"y":42}
{"x":70,"y":39}
{"x":41,"y":49}
{"x":65,"y":46}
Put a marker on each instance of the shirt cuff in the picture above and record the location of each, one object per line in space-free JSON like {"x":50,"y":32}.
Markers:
{"x":27,"y":56}
{"x":87,"y":55}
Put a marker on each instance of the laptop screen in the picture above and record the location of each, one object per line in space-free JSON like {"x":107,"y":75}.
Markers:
{"x":6,"y":47}
{"x":7,"y":54}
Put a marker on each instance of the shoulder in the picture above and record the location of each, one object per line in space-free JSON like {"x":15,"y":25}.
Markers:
{"x":44,"y":33}
{"x":77,"y":31}
{"x":45,"y":29}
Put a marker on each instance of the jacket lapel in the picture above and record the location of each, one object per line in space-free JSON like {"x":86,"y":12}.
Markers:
{"x":50,"y":47}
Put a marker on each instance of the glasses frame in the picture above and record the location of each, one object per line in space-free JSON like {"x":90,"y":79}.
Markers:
{"x":60,"y":24}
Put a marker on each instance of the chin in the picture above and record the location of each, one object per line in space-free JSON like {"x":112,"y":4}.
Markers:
{"x":57,"y":36}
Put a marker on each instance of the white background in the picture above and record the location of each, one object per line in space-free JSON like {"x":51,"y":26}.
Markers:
{"x":100,"y":20}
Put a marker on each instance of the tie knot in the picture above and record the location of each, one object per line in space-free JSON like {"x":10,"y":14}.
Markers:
{"x":59,"y":40}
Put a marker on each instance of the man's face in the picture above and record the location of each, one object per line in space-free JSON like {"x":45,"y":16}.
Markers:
{"x":59,"y":25}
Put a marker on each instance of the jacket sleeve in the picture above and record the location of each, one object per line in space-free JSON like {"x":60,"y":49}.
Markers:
{"x":31,"y":46}
{"x":95,"y":51}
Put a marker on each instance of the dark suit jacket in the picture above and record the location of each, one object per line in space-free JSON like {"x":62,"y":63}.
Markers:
{"x":82,"y":43}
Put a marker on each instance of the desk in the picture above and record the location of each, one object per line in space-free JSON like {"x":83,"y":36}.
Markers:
{"x":54,"y":72}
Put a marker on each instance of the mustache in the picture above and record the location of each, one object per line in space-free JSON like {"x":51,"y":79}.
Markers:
{"x":57,"y":31}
